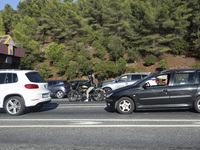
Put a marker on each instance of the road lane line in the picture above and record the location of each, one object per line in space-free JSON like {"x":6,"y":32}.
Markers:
{"x":108,"y":120}
{"x":99,"y":126}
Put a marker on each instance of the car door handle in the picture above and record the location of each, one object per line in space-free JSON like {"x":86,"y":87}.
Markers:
{"x":165,"y":91}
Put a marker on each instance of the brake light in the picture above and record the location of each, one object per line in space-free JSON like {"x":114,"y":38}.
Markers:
{"x":64,"y":86}
{"x":31,"y":86}
{"x":157,"y":80}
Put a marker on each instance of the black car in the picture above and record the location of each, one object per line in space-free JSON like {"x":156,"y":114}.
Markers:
{"x":58,"y":88}
{"x":178,"y":88}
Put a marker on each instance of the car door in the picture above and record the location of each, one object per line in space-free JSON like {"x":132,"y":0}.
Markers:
{"x":6,"y":79}
{"x":184,"y":87}
{"x":154,"y":95}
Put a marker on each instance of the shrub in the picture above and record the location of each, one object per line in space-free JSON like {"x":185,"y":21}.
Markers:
{"x":163,"y":64}
{"x":45,"y":72}
{"x":150,"y":60}
{"x":197,"y":65}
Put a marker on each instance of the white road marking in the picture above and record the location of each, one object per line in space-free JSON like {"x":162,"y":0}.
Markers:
{"x":108,"y":120}
{"x":99,"y":126}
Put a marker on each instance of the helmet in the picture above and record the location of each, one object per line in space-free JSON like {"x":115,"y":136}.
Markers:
{"x":89,"y":76}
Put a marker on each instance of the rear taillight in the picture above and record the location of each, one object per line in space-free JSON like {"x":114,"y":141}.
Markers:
{"x":157,"y":80}
{"x":64,"y":86}
{"x":31,"y":86}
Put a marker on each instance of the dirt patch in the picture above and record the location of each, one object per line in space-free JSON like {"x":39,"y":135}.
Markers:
{"x":174,"y":62}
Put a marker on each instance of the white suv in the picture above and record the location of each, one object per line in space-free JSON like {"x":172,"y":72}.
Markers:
{"x":21,"y":89}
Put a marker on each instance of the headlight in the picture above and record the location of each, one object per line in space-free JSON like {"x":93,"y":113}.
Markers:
{"x":107,"y":96}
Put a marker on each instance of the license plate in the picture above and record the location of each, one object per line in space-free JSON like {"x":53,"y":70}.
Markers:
{"x":45,"y":95}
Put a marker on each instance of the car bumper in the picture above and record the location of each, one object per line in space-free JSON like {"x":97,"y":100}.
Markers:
{"x":33,"y":100}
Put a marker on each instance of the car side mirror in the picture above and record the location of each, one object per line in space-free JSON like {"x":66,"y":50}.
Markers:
{"x":145,"y":85}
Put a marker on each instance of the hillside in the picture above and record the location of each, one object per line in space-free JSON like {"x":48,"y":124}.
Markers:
{"x":174,"y":62}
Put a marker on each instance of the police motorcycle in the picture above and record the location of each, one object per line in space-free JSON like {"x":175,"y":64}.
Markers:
{"x":79,"y":93}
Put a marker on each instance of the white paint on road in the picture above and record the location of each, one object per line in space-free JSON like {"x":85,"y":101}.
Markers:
{"x":99,"y":123}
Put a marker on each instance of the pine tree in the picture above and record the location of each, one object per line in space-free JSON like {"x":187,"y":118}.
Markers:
{"x":2,"y":28}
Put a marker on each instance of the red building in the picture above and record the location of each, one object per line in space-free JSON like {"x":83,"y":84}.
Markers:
{"x":9,"y":54}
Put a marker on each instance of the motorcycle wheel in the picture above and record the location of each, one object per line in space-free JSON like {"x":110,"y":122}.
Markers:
{"x":98,"y":95}
{"x":73,"y":96}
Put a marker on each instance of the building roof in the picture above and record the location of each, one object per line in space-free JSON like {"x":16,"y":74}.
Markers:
{"x":6,"y":39}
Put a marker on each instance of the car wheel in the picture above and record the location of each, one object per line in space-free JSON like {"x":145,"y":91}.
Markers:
{"x":125,"y":105}
{"x":73,"y":96}
{"x":107,"y":89}
{"x":60,"y":94}
{"x":197,"y":104}
{"x":14,"y":105}
{"x":36,"y":107}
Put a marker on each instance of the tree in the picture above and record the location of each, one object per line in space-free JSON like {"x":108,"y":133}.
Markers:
{"x":59,"y":20}
{"x":2,"y":28}
{"x":55,"y":52}
{"x":8,"y":15}
{"x":116,"y":48}
{"x":45,"y":72}
{"x":105,"y":69}
{"x":121,"y":64}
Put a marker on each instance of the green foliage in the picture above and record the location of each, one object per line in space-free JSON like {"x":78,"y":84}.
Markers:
{"x":133,"y":55}
{"x":179,"y":46}
{"x":163,"y":64}
{"x":119,"y":29}
{"x":100,"y":50}
{"x":149,"y":60}
{"x":121,"y":64}
{"x":116,"y":48}
{"x":9,"y":18}
{"x":2,"y":28}
{"x":32,"y":50}
{"x":73,"y":70}
{"x":45,"y":72}
{"x":197,"y":65}
{"x":105,"y":69}
{"x":54,"y":52}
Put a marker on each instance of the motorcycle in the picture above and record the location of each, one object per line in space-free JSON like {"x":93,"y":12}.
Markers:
{"x":79,"y":93}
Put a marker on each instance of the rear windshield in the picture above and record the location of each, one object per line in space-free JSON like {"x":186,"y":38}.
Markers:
{"x":34,"y":77}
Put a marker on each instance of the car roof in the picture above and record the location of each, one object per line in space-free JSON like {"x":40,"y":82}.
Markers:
{"x":180,"y":70}
{"x":55,"y":80}
{"x":17,"y":70}
{"x":143,"y":73}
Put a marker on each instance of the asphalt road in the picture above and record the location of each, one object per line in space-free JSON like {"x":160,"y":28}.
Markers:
{"x":65,"y":125}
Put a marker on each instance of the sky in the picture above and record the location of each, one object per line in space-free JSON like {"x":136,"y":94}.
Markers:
{"x":12,"y":3}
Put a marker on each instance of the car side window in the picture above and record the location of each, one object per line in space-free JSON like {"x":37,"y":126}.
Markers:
{"x":136,"y":77}
{"x":15,"y":78}
{"x":160,"y":80}
{"x":123,"y":78}
{"x":8,"y":78}
{"x":2,"y":78}
{"x":184,"y":78}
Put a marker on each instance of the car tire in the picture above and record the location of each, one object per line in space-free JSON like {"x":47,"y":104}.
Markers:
{"x":73,"y":96}
{"x":125,"y":105}
{"x":60,"y":94}
{"x":197,"y":104}
{"x":107,"y":89}
{"x":14,"y":106}
{"x":36,"y":107}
